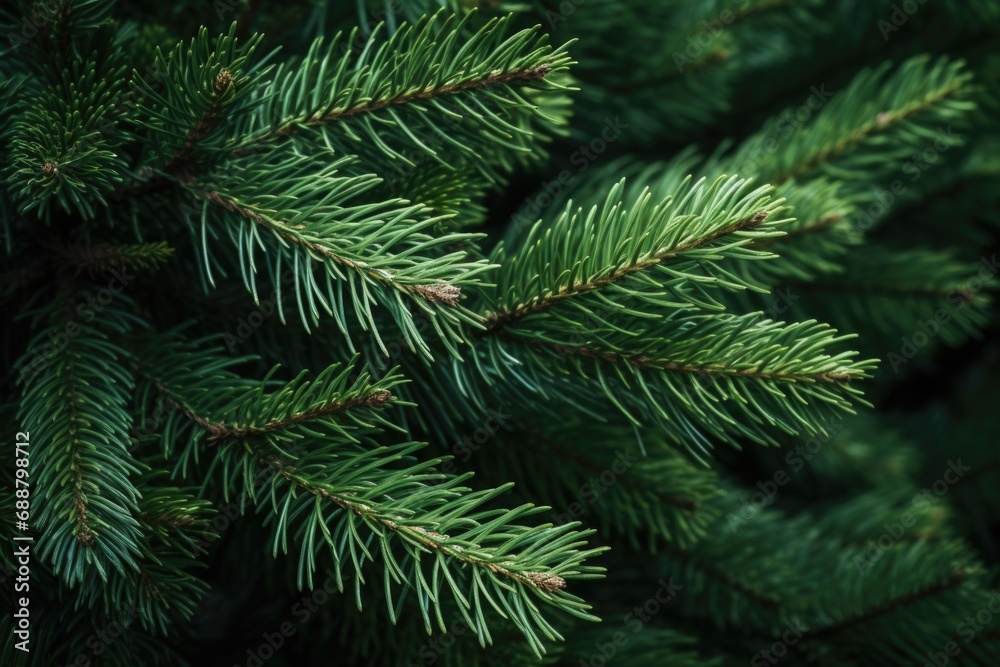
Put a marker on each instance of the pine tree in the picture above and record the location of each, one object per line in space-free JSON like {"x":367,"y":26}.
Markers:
{"x":491,"y":333}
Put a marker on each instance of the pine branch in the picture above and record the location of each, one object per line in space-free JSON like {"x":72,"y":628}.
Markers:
{"x":66,"y":147}
{"x":498,"y":321}
{"x":182,"y":158}
{"x":344,"y":251}
{"x":493,"y":79}
{"x":77,"y":400}
{"x":429,"y":540}
{"x":193,"y":379}
{"x":286,"y":231}
{"x":104,"y":257}
{"x":883,"y":121}
{"x":510,"y":564}
{"x":363,"y":483}
{"x":200,"y":88}
{"x":658,"y":494}
{"x":303,"y":406}
{"x":641,"y":361}
{"x":164,"y":589}
{"x":469,"y":94}
{"x":893,"y":290}
{"x":630,"y":249}
{"x":611,"y":297}
{"x":868,"y":128}
{"x":902,"y":601}
{"x":942,"y":583}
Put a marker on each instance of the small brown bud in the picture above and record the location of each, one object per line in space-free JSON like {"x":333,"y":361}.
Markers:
{"x":377,"y":399}
{"x":447,"y":294}
{"x":547,"y":582}
{"x":222,"y":81}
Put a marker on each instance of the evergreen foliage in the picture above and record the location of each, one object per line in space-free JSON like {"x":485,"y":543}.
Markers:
{"x":487,"y":333}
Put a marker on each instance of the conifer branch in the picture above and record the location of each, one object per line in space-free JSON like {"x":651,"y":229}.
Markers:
{"x":82,"y":530}
{"x":219,"y":432}
{"x":447,"y":294}
{"x":804,"y":229}
{"x":77,"y":397}
{"x":713,"y":573}
{"x":493,"y":79}
{"x":630,"y":319}
{"x":216,"y":431}
{"x":469,"y":96}
{"x":877,"y":115}
{"x":428,"y":539}
{"x":497,"y":321}
{"x":644,"y":362}
{"x":355,"y":501}
{"x":104,"y":257}
{"x":181,"y":160}
{"x":685,"y":504}
{"x":956,"y":579}
{"x":200,"y":85}
{"x":881,"y":122}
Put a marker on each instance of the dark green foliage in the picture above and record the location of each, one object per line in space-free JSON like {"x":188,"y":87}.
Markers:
{"x":439,"y":331}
